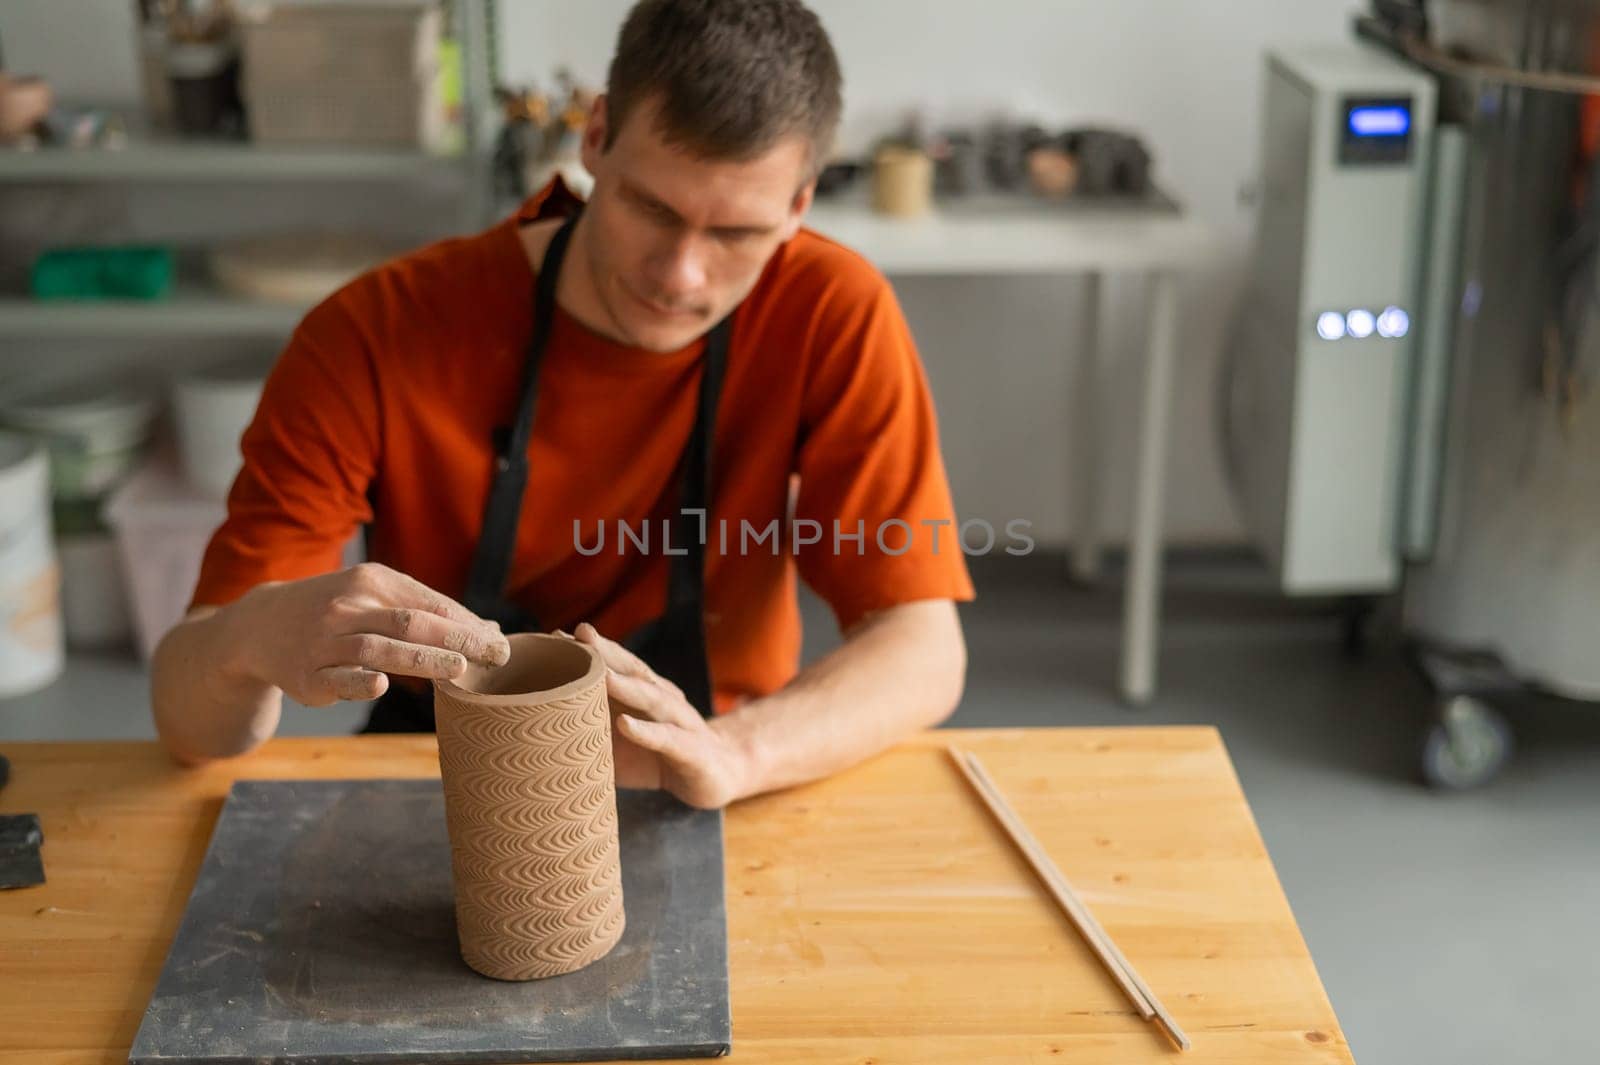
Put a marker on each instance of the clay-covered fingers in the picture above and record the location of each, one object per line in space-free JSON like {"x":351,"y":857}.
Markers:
{"x":393,"y":588}
{"x":408,"y":591}
{"x":478,"y":641}
{"x":339,"y":683}
{"x":387,"y":655}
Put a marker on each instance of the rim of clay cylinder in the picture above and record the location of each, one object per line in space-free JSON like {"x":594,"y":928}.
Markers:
{"x":466,"y":688}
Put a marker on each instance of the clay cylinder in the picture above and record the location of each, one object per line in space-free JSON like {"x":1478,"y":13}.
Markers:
{"x":531,"y":806}
{"x":902,"y":182}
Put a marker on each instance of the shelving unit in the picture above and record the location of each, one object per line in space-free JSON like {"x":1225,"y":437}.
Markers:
{"x":173,"y":160}
{"x":92,"y":696}
{"x":195,"y":308}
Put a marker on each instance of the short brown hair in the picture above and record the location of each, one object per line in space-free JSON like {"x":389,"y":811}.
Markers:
{"x":732,"y":77}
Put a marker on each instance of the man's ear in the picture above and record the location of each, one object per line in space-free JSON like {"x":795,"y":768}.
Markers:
{"x":798,"y":209}
{"x":594,"y":135}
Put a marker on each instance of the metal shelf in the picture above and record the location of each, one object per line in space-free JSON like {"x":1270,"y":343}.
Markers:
{"x":201,"y":161}
{"x":1016,"y":234}
{"x":193,"y":310}
{"x":155,"y":157}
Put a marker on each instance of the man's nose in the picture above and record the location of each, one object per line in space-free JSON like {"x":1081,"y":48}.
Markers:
{"x":678,"y":268}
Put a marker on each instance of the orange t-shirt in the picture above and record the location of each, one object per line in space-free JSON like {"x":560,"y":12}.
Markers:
{"x":381,"y":411}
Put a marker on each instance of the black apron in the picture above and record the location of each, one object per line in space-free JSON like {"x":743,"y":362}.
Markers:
{"x":674,"y":644}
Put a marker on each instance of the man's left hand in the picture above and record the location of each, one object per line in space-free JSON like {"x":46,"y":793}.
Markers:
{"x":658,"y":739}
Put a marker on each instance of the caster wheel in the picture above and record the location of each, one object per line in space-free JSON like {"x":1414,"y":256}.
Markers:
{"x":1353,"y":637}
{"x":1356,"y":620}
{"x":1467,"y":747}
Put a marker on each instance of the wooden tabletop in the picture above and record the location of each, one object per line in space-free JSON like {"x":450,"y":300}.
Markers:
{"x":877,"y":917}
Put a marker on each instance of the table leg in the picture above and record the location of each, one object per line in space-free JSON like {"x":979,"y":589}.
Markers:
{"x":1140,"y":621}
{"x":1087,"y":450}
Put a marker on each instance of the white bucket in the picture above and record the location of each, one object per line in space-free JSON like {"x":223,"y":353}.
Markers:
{"x":96,"y":434}
{"x":212,"y":409}
{"x":31,"y":652}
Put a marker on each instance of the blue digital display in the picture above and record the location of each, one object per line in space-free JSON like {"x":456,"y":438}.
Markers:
{"x":1380,"y":121}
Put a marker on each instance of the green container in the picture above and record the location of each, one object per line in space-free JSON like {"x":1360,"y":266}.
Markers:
{"x":126,"y":273}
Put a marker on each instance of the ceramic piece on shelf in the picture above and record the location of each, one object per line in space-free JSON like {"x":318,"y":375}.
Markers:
{"x":24,"y":102}
{"x":298,"y":268}
{"x":95,"y":431}
{"x":1052,"y":172}
{"x":902,"y":182}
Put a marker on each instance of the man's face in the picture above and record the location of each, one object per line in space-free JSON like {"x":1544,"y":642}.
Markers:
{"x":674,"y":242}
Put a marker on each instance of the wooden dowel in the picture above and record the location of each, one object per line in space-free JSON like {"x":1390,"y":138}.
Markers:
{"x":1057,"y":884}
{"x":1138,"y":992}
{"x":1049,"y":870}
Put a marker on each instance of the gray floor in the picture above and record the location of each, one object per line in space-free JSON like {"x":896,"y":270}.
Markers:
{"x":1458,"y":929}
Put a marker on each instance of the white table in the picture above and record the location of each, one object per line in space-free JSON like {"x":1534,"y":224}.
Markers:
{"x":1021,"y":236}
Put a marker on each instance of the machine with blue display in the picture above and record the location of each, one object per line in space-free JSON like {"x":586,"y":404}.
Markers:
{"x":1407,"y":397}
{"x":1317,"y":418}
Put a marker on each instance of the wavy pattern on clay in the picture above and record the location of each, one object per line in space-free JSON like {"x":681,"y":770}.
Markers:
{"x":531,"y":805}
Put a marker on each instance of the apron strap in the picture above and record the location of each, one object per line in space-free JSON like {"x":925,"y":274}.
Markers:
{"x":502,"y":513}
{"x":674,"y":645}
{"x":686,"y":573}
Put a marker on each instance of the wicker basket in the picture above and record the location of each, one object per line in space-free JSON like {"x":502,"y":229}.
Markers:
{"x":361,"y":73}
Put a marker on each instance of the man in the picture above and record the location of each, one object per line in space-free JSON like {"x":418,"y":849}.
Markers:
{"x":675,"y":351}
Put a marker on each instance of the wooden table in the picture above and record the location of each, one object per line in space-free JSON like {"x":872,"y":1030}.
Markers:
{"x":876,"y":917}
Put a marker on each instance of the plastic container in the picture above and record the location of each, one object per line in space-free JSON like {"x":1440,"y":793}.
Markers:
{"x":212,"y":409}
{"x":162,"y":526}
{"x":96,"y":434}
{"x":361,"y":73}
{"x":94,"y":601}
{"x":31,"y":644}
{"x":121,"y":273}
{"x":205,"y":87}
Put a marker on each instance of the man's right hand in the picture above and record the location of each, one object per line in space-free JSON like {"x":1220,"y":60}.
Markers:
{"x":338,"y":636}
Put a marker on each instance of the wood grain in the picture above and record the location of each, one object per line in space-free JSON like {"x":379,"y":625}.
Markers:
{"x":878,"y":916}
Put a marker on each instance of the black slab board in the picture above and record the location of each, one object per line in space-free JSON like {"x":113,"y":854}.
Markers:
{"x":321,"y":930}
